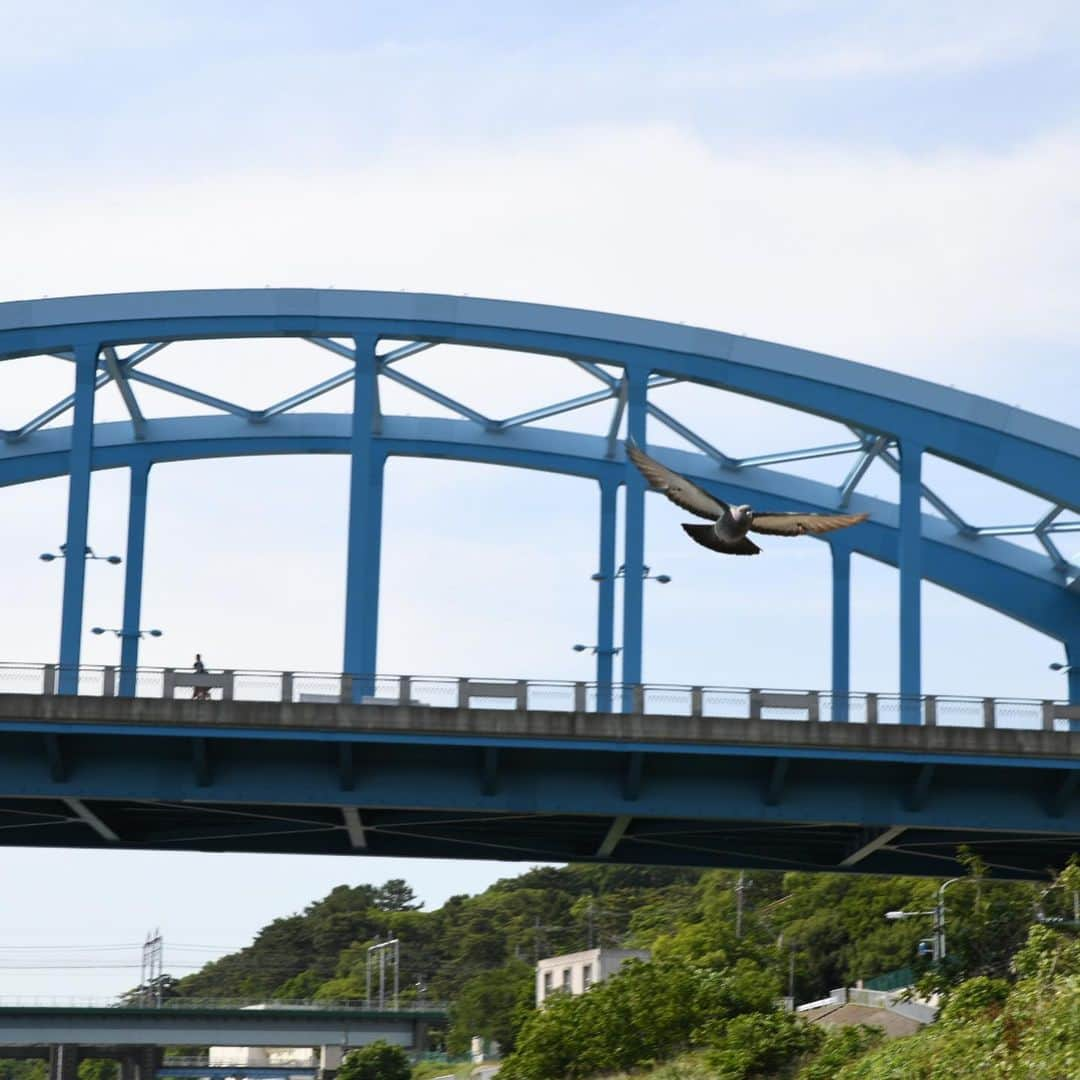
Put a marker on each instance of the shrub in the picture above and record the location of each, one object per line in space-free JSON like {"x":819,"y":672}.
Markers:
{"x":762,"y":1043}
{"x":841,"y":1046}
{"x":378,"y":1061}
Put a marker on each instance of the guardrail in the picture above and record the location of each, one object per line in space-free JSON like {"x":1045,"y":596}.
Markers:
{"x":552,"y":695}
{"x":20,"y":1001}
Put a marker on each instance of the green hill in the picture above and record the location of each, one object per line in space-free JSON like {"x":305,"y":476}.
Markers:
{"x":709,"y":992}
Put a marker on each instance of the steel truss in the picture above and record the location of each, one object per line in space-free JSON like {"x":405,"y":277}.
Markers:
{"x":893,"y":419}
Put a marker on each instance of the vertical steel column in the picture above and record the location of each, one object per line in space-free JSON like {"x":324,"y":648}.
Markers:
{"x":133,"y":579}
{"x":1072,"y":658}
{"x":80,"y":461}
{"x":634,"y":540}
{"x":365,"y":521}
{"x":605,"y":602}
{"x":841,"y":630}
{"x":910,"y":541}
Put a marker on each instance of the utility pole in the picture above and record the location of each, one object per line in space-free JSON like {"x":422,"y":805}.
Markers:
{"x":385,"y":952}
{"x":150,"y":972}
{"x":592,"y":933}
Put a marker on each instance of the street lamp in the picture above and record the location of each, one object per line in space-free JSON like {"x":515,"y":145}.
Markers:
{"x":938,"y":914}
{"x":1064,"y":668}
{"x":596,"y":650}
{"x":49,"y":556}
{"x":646,"y":575}
{"x":125,"y":633}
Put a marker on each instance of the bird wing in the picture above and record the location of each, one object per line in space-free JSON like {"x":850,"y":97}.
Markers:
{"x":799,"y":524}
{"x":677,"y":488}
{"x":706,"y":536}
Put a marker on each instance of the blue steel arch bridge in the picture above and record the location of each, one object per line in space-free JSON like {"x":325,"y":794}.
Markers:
{"x":836,"y":794}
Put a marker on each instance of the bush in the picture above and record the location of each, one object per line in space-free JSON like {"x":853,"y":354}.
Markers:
{"x":762,"y":1043}
{"x":646,"y":1014}
{"x":378,"y":1061}
{"x":974,"y":998}
{"x":841,"y":1046}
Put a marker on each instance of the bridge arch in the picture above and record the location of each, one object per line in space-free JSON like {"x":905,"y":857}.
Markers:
{"x":894,"y":418}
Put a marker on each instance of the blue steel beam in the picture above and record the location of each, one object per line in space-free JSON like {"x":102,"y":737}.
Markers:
{"x":841,"y":629}
{"x":1072,"y":655}
{"x":133,"y":579}
{"x":272,"y":789}
{"x":605,"y":598}
{"x":193,"y":395}
{"x":1003,"y":576}
{"x":911,"y":581}
{"x":1015,"y":446}
{"x":1025,"y":450}
{"x":365,"y":525}
{"x":692,"y":437}
{"x":634,"y":538}
{"x":79,"y":470}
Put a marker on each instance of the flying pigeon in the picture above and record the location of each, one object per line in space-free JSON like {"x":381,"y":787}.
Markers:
{"x":730,"y":524}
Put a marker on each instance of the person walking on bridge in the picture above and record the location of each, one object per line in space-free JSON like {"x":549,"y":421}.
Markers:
{"x":200,"y":693}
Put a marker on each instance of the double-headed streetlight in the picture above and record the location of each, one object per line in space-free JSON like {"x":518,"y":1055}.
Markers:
{"x":88,"y":554}
{"x":1064,"y":668}
{"x":938,"y":914}
{"x":125,"y":633}
{"x":606,"y":654}
{"x":620,"y":574}
{"x":646,"y":574}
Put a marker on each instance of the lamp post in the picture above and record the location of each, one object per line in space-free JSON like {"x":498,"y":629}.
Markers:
{"x":383,"y":953}
{"x":604,"y":654}
{"x":1065,"y":669}
{"x":595,"y":650}
{"x":88,"y":554}
{"x":938,"y":914}
{"x":646,"y":574}
{"x":128,"y":664}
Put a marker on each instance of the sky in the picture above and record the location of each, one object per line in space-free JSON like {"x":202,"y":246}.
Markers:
{"x":893,"y":183}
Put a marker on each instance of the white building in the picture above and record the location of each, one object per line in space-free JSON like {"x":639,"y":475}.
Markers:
{"x":574,"y":973}
{"x":264,"y":1056}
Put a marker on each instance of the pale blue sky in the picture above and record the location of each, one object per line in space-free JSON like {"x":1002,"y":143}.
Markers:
{"x":893,"y":182}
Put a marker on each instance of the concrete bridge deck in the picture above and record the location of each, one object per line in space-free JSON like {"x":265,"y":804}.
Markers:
{"x":530,"y":784}
{"x":104,"y":1029}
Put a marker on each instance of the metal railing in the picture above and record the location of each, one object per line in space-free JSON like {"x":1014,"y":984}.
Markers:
{"x":23,"y":1001}
{"x":436,"y":691}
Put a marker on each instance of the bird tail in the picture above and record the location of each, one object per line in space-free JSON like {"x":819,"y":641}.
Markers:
{"x":706,"y":536}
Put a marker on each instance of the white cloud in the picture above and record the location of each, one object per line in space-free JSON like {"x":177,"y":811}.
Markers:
{"x":886,"y":40}
{"x":926,"y":265}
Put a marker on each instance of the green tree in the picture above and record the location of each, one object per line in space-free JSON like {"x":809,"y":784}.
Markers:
{"x":98,"y":1069}
{"x":840,"y":1046}
{"x":301,"y":987}
{"x":647,"y":1013}
{"x":756,"y":1044}
{"x":17,"y":1069}
{"x":377,"y":1061}
{"x":397,"y":895}
{"x":492,"y":1004}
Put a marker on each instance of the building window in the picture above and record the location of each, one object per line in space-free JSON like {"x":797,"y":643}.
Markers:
{"x":547,"y":983}
{"x":586,"y":976}
{"x":566,"y":980}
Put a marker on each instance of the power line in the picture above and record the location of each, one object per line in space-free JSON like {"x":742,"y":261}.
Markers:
{"x":74,"y":948}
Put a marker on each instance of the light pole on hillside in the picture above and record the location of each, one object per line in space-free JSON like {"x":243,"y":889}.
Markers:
{"x":938,"y":914}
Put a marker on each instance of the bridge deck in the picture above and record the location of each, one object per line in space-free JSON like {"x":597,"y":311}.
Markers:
{"x":23,"y":1026}
{"x":532,"y":785}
